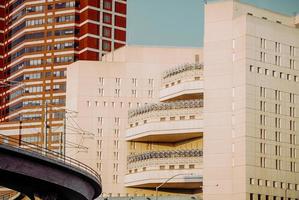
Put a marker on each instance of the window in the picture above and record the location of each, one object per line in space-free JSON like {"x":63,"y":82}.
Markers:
{"x":262,"y":148}
{"x":277,"y":47}
{"x":263,"y":43}
{"x":117,"y":92}
{"x":196,"y":58}
{"x":151,"y":82}
{"x":262,"y":92}
{"x":106,"y":45}
{"x":118,"y":81}
{"x":277,"y":150}
{"x":106,"y":32}
{"x":134,"y":81}
{"x":64,"y":32}
{"x":150,"y":93}
{"x":64,"y":59}
{"x":88,"y":103}
{"x":134,"y":93}
{"x":107,"y":5}
{"x":277,"y":122}
{"x":116,"y":120}
{"x":277,"y":109}
{"x":262,"y":106}
{"x":65,"y":18}
{"x":65,"y":5}
{"x":277,"y":136}
{"x":277,"y":60}
{"x":262,"y":162}
{"x":277,"y":95}
{"x":100,"y":120}
{"x":31,"y":139}
{"x":101,"y":80}
{"x":278,"y":164}
{"x":101,"y":92}
{"x":292,"y":64}
{"x":263,"y":57}
{"x":292,"y":98}
{"x":262,"y":120}
{"x":162,"y":119}
{"x":107,"y":18}
{"x":292,"y":51}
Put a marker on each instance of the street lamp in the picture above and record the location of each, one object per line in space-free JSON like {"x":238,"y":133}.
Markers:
{"x":157,"y":188}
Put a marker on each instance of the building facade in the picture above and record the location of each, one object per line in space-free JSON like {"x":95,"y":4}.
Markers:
{"x":38,"y":40}
{"x":100,"y":95}
{"x":251,"y":58}
{"x":165,"y":138}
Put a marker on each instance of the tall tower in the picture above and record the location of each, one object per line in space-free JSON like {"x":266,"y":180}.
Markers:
{"x":250,"y":104}
{"x":38,"y":40}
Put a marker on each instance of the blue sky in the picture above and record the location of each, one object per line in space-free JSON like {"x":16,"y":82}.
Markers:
{"x":180,"y":22}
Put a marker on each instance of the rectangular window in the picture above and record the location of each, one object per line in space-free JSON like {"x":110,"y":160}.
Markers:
{"x":277,"y":47}
{"x":101,"y":92}
{"x":107,"y":32}
{"x":106,"y":45}
{"x":107,"y":5}
{"x":263,"y":43}
{"x":278,"y":60}
{"x":107,"y":18}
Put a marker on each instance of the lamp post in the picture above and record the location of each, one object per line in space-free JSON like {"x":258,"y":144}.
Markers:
{"x":157,"y":188}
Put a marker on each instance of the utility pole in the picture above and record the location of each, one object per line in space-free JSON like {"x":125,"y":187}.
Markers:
{"x":46,"y":126}
{"x":20,"y":132}
{"x":64,"y":134}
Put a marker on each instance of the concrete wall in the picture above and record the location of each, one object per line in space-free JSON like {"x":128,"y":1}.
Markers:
{"x":104,"y":116}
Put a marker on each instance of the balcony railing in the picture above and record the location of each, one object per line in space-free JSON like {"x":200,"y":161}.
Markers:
{"x":164,"y":154}
{"x":181,"y":69}
{"x":158,"y":110}
{"x":181,"y":82}
{"x":170,"y":157}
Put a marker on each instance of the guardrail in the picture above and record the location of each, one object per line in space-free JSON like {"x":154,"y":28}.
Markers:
{"x":164,"y":154}
{"x":38,"y":150}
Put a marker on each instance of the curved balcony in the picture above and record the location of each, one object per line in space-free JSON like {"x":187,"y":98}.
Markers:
{"x":181,"y":120}
{"x":154,"y":167}
{"x":184,"y":82}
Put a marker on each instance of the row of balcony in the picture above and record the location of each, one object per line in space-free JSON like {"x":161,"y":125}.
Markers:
{"x":181,"y":120}
{"x":183,"y":82}
{"x":177,"y":118}
{"x":164,"y":154}
{"x":181,"y":69}
{"x":150,"y":169}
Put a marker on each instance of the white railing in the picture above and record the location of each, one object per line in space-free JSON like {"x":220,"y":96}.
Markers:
{"x":178,"y":110}
{"x":154,"y":159}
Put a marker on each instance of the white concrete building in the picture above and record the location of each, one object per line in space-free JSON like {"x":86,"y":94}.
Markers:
{"x":251,"y":91}
{"x":101,"y":93}
{"x":248,"y":125}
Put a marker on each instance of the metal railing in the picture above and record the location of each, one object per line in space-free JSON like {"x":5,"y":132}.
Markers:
{"x":182,"y":68}
{"x":5,"y":196}
{"x":40,"y":151}
{"x":165,"y":154}
{"x":180,"y":104}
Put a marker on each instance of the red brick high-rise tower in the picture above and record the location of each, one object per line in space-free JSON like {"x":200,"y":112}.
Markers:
{"x":38,"y":40}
